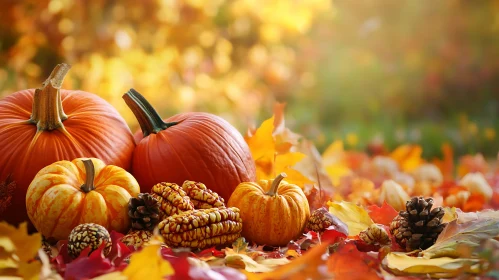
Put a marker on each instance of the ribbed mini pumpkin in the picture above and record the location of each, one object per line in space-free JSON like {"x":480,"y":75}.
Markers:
{"x":274,"y":212}
{"x":68,"y":193}
{"x":42,"y":126}
{"x":189,"y":146}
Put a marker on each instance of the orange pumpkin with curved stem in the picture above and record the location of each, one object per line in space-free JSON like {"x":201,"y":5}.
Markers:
{"x":191,"y":146}
{"x":68,"y":193}
{"x":274,"y":212}
{"x":42,"y":126}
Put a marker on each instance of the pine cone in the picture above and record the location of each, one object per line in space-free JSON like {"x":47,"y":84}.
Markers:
{"x":143,"y":211}
{"x":418,"y":227}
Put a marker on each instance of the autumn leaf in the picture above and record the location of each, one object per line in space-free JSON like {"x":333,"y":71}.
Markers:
{"x":382,"y":215}
{"x":446,"y":165}
{"x":305,"y":267}
{"x":355,"y":217}
{"x":148,"y":264}
{"x":444,"y":267}
{"x":349,"y":263}
{"x":334,"y":163}
{"x":17,"y":249}
{"x":408,"y":156}
{"x":79,"y":268}
{"x":262,"y":143}
{"x":240,"y":245}
{"x":243,"y":261}
{"x":469,"y":229}
{"x":269,"y":161}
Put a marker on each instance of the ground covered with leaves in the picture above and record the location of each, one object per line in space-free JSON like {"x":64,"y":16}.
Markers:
{"x":367,"y":207}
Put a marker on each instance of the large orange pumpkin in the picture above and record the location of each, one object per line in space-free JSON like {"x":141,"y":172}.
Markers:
{"x":69,"y":193}
{"x":191,"y":146}
{"x":274,"y":212}
{"x":39,"y":127}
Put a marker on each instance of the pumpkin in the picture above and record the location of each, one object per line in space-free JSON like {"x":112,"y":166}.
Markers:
{"x":191,"y":146}
{"x":66,"y":194}
{"x":274,"y":212}
{"x":42,"y":126}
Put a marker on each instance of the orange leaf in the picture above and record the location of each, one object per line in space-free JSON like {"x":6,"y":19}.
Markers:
{"x":349,"y":263}
{"x":446,"y":165}
{"x":474,"y":203}
{"x":262,"y":144}
{"x":408,"y":156}
{"x":305,"y":267}
{"x":382,"y":215}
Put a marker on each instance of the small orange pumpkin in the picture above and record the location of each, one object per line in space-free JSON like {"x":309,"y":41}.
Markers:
{"x":273,"y":212}
{"x":69,"y":193}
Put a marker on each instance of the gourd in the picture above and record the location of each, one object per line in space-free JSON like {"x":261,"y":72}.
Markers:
{"x":66,"y":194}
{"x":274,"y":212}
{"x":189,"y":146}
{"x":42,"y":126}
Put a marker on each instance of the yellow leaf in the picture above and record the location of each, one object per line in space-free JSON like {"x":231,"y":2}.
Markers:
{"x":401,"y":264}
{"x":30,"y":271}
{"x":355,"y":217}
{"x":243,"y":261}
{"x":408,"y":156}
{"x":26,"y":245}
{"x":287,"y":160}
{"x":296,"y":177}
{"x":335,"y":172}
{"x":333,"y":154}
{"x":148,"y":264}
{"x":262,"y":143}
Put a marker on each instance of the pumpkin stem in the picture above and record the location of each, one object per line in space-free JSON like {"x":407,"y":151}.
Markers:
{"x":47,"y":112}
{"x":275,"y":184}
{"x":88,"y":186}
{"x":149,"y":120}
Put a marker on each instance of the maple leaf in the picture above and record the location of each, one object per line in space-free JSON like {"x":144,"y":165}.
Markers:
{"x":446,"y":165}
{"x":6,"y":191}
{"x":333,"y":160}
{"x":269,"y":161}
{"x":148,"y":264}
{"x":468,"y":230}
{"x":349,"y":263}
{"x":306,"y":267}
{"x":85,"y":267}
{"x":408,"y":156}
{"x":17,"y":249}
{"x":382,"y":215}
{"x":355,"y":217}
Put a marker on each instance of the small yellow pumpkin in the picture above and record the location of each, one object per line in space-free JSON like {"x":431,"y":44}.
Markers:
{"x":69,"y":193}
{"x":274,"y":212}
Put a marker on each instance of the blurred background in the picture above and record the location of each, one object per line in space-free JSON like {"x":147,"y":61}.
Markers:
{"x":358,"y":71}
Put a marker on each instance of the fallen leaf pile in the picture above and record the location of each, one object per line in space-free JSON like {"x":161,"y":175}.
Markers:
{"x":362,"y":191}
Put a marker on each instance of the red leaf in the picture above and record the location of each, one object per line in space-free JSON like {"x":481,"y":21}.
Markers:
{"x":348,"y":263}
{"x":382,"y":215}
{"x":332,"y":235}
{"x":92,"y":266}
{"x":119,"y":251}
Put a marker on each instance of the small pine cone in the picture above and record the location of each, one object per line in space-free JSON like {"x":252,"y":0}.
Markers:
{"x":375,"y":235}
{"x":419,"y":226}
{"x":172,"y":198}
{"x":202,"y":197}
{"x":321,"y":219}
{"x":137,"y":238}
{"x":88,"y":235}
{"x":143,"y":211}
{"x":202,"y":228}
{"x":47,"y":247}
